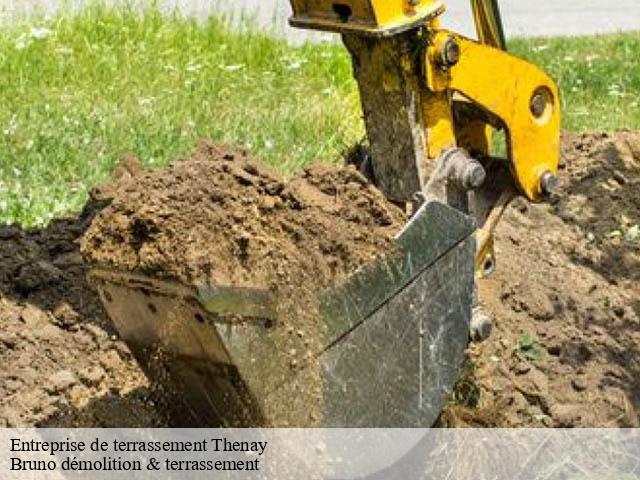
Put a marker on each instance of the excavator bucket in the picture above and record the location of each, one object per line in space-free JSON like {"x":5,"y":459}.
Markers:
{"x":393,"y":337}
{"x":386,"y":344}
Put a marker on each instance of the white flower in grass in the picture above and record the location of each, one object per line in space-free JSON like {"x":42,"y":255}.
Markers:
{"x":146,"y":101}
{"x":40,"y":33}
{"x":615,"y":91}
{"x":12,"y":127}
{"x":233,"y":68}
{"x":193,"y":68}
{"x":268,"y":144}
{"x":21,"y":42}
{"x":64,"y":51}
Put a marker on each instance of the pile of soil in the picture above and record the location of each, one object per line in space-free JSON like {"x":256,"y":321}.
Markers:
{"x":565,"y":351}
{"x":216,"y":217}
{"x":219,"y":218}
{"x":60,"y":361}
{"x":565,"y":298}
{"x":223,"y":219}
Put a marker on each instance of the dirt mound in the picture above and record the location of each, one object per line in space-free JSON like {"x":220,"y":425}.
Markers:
{"x":566,"y":300}
{"x":222,"y":218}
{"x":61,"y":363}
{"x":215,"y":217}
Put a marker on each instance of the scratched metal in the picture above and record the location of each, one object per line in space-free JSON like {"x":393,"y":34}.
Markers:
{"x":434,"y":230}
{"x":398,"y":367}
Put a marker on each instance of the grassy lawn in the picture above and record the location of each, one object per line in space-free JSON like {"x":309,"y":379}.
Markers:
{"x":79,"y":91}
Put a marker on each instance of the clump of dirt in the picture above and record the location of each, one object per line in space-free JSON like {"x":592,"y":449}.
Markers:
{"x":60,"y":361}
{"x":565,"y":351}
{"x":221,"y":218}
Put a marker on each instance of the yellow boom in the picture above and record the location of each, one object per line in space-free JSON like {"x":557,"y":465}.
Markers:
{"x":426,"y":91}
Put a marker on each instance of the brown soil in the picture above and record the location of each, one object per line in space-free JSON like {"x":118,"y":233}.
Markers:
{"x":224,"y":219}
{"x":565,"y":277}
{"x":568,"y":278}
{"x":61,"y":363}
{"x":218,"y":218}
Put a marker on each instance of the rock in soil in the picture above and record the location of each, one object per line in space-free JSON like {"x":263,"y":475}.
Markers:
{"x":569,"y":276}
{"x":61,"y":381}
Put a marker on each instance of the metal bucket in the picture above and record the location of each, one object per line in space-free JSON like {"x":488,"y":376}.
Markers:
{"x":387,"y":352}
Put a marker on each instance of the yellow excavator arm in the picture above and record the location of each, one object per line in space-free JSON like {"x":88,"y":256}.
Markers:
{"x":486,"y":15}
{"x":428,"y":93}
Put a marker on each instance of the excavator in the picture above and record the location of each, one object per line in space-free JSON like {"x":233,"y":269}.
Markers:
{"x":396,"y":331}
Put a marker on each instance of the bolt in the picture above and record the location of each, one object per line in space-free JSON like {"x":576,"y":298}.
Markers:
{"x":549,"y":183}
{"x":473,"y":176}
{"x":467,"y":173}
{"x":538,"y":104}
{"x":417,"y":201}
{"x":450,"y":53}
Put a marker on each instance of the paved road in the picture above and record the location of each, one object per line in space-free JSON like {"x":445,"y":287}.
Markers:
{"x":542,"y":17}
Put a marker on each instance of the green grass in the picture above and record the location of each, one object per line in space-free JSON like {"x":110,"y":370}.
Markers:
{"x":599,"y":77}
{"x":78,"y":91}
{"x":107,"y":82}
